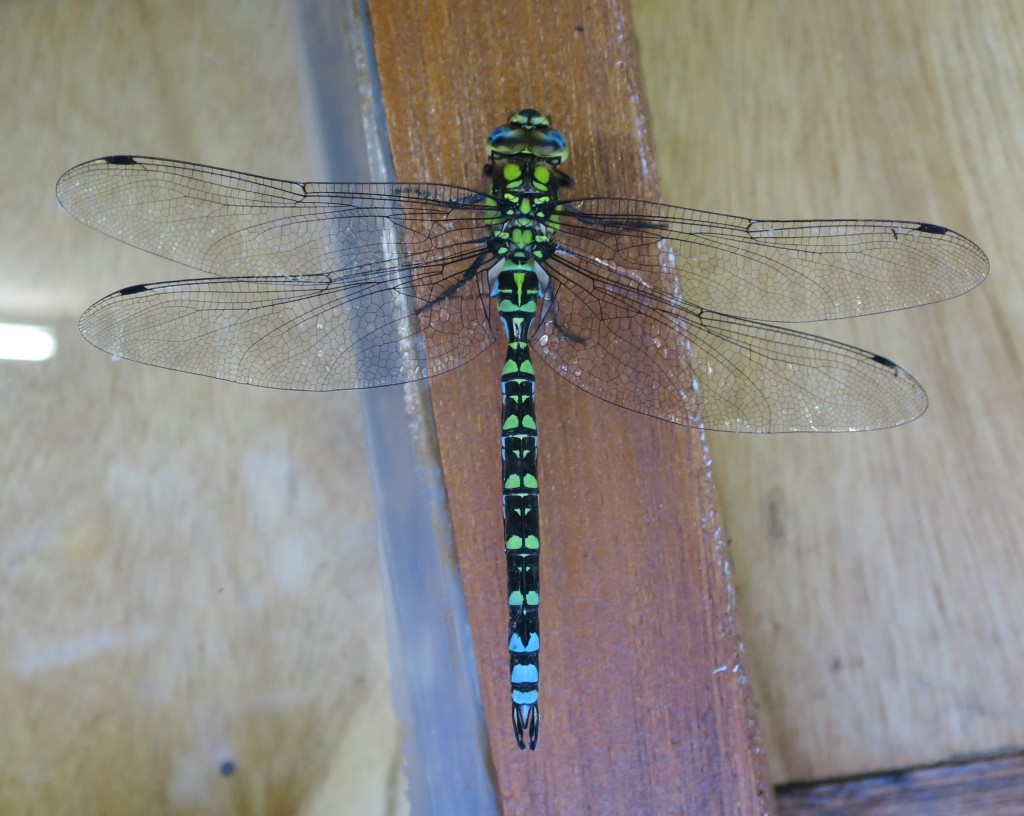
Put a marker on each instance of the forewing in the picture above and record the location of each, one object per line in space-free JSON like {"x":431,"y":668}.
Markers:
{"x":779,"y":271}
{"x":233,"y":224}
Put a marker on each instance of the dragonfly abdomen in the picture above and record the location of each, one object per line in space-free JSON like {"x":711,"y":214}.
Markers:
{"x":517,"y":291}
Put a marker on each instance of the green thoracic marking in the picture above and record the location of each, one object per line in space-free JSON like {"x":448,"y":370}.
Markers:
{"x":654,"y":308}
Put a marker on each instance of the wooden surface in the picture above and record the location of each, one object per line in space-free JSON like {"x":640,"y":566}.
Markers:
{"x":189,"y":568}
{"x":879,"y":574}
{"x":167,"y":609}
{"x":985,"y":787}
{"x":644,"y":699}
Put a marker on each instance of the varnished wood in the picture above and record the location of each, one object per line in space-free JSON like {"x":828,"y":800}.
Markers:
{"x":644,"y":701}
{"x":984,"y":787}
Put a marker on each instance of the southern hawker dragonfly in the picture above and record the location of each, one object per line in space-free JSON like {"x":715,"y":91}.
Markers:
{"x":658,"y":309}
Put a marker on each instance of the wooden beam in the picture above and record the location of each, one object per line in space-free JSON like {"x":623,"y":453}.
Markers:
{"x":645,"y":701}
{"x":993,"y":786}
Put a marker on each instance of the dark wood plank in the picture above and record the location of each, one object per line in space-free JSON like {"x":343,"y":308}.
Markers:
{"x":645,"y":701}
{"x":986,"y":787}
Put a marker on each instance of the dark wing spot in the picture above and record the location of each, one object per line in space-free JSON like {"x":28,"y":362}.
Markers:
{"x":885,"y":361}
{"x":932,"y":229}
{"x":134,"y":290}
{"x":227,"y":768}
{"x":120,"y":160}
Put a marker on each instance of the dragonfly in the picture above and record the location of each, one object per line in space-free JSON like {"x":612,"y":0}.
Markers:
{"x":666,"y":311}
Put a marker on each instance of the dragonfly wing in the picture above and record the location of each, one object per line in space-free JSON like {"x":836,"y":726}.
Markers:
{"x":780,"y":271}
{"x":232,"y":224}
{"x":312,"y":333}
{"x":659,"y":355}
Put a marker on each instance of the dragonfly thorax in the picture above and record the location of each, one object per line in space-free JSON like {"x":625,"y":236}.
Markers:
{"x":523,"y":209}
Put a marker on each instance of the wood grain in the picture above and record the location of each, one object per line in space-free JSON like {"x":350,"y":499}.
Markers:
{"x":879,"y":574}
{"x":991,"y":786}
{"x":644,"y":700}
{"x":152,"y":622}
{"x":191,"y":618}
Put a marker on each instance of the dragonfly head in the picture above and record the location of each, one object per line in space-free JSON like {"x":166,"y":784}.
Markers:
{"x":528,"y":133}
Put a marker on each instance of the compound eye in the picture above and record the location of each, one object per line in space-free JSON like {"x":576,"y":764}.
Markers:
{"x":549,"y":145}
{"x":505,"y":139}
{"x":528,"y":133}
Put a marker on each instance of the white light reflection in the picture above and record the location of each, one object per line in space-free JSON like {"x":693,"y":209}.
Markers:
{"x":19,"y":341}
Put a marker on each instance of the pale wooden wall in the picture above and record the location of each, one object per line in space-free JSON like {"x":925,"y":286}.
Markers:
{"x":176,"y":596}
{"x":189,"y":570}
{"x":880,"y":575}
